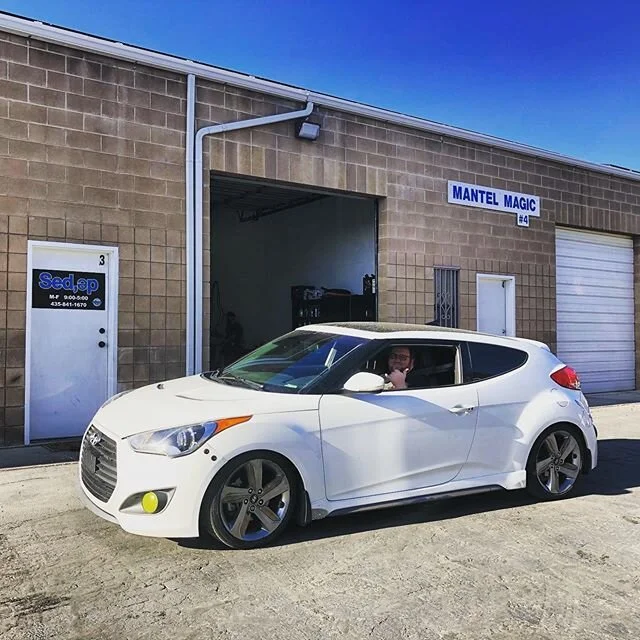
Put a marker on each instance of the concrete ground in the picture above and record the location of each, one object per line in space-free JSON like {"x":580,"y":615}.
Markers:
{"x":496,"y":566}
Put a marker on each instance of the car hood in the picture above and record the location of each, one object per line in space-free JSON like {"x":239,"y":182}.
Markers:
{"x":192,"y":400}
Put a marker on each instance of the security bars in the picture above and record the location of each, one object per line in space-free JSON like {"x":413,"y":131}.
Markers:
{"x":446,"y":296}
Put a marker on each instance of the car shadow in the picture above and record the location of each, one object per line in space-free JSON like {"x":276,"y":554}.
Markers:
{"x":618,"y":472}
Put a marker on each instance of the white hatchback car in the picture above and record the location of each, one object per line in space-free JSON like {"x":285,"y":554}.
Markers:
{"x":332,"y":419}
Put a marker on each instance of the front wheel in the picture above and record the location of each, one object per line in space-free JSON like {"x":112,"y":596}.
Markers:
{"x":555,"y":463}
{"x":250,"y":501}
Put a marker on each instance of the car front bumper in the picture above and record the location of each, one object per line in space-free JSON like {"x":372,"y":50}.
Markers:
{"x":185,"y":479}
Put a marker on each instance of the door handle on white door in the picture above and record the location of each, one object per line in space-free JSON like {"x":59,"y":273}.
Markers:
{"x":462,"y":410}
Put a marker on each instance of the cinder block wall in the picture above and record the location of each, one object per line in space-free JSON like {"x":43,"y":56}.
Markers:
{"x":92,"y":151}
{"x":408,"y":171}
{"x":636,"y":281}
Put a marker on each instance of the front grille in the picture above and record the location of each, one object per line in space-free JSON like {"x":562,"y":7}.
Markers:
{"x":98,"y":464}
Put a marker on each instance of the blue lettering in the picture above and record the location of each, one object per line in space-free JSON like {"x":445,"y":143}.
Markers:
{"x":92,"y":285}
{"x":523,"y":203}
{"x":532,"y":205}
{"x":474,"y":195}
{"x":457,"y":192}
{"x":67,"y":283}
{"x":466,"y":195}
{"x":44,"y":281}
{"x":508,"y":201}
{"x":491,"y":198}
{"x":86,"y":285}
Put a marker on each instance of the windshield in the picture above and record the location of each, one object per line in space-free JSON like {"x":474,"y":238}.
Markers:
{"x":289,"y":363}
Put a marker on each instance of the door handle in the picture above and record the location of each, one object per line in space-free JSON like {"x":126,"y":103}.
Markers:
{"x":462,"y":410}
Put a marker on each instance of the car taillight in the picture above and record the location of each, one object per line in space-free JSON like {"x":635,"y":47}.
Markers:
{"x":566,"y":377}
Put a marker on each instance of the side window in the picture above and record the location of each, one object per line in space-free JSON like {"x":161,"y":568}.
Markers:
{"x":430,"y":365}
{"x":490,"y":360}
{"x":434,"y":366}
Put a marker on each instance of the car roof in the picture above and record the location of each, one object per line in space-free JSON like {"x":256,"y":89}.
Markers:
{"x":406,"y":331}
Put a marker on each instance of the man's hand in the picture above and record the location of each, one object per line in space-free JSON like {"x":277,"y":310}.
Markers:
{"x":398,"y":378}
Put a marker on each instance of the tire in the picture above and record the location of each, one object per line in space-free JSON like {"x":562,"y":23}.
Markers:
{"x":554,"y":471}
{"x":250,"y":501}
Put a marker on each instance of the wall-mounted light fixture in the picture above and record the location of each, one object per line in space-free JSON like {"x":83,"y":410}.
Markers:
{"x":307,"y":130}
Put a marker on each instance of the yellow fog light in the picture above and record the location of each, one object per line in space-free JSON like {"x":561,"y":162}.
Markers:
{"x":150,"y":502}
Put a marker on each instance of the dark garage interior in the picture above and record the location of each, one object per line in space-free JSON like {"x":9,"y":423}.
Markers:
{"x":283,"y":257}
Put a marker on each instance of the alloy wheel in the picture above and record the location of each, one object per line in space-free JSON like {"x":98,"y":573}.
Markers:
{"x":254,"y":500}
{"x":558,"y":462}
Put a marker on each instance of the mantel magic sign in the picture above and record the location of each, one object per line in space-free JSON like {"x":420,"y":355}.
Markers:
{"x":472,"y":195}
{"x":52,"y":289}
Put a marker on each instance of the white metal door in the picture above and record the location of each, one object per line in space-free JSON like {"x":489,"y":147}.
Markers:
{"x":71,"y":336}
{"x":495,"y":304}
{"x":595,"y":308}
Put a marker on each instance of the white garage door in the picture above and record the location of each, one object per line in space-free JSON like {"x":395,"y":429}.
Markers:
{"x":594,"y":288}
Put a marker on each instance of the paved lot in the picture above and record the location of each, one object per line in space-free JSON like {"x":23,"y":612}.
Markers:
{"x":496,"y":566}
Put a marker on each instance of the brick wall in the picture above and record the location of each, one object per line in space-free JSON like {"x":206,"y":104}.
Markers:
{"x":636,"y":280}
{"x":92,"y":151}
{"x":408,"y":170}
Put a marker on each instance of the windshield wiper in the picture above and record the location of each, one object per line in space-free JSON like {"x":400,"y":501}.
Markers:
{"x":238,"y":382}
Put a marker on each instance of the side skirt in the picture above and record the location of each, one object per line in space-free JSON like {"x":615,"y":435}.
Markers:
{"x":318,"y":514}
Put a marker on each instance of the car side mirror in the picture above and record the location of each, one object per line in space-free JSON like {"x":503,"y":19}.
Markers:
{"x":364,"y":382}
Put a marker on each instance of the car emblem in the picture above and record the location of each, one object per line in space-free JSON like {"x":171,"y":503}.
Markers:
{"x":94,"y":438}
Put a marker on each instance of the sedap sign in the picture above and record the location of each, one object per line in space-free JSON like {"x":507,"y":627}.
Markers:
{"x":471,"y":195}
{"x":68,"y":290}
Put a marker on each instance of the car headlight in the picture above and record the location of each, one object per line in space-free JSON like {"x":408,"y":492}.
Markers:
{"x":180,"y":441}
{"x":118,"y":395}
{"x":174,"y":442}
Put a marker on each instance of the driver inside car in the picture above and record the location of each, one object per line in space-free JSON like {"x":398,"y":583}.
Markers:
{"x":399,"y":363}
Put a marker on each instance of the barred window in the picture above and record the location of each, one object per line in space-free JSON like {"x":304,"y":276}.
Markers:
{"x":446,"y":296}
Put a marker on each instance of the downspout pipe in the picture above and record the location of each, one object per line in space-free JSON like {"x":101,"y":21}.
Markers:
{"x":189,"y":211}
{"x":197,"y":283}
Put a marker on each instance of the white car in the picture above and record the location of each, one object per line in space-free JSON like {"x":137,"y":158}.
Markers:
{"x":309,"y":426}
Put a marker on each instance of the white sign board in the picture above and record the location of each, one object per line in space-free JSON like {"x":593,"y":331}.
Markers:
{"x":472,"y":195}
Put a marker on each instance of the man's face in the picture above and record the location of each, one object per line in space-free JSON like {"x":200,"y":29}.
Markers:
{"x":400,"y":359}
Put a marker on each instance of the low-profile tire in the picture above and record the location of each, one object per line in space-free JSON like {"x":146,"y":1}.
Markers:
{"x":250,"y":501}
{"x":556,"y":462}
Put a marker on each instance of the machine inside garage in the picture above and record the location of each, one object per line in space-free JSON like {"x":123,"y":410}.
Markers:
{"x":282,"y":257}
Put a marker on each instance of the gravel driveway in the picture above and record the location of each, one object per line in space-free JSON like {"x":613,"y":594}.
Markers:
{"x":493,"y":566}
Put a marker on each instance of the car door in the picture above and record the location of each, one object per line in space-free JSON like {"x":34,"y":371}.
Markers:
{"x":505,"y":389}
{"x":396,"y":441}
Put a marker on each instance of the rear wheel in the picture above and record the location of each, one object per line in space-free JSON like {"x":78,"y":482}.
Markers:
{"x":250,"y":501}
{"x":555,"y":463}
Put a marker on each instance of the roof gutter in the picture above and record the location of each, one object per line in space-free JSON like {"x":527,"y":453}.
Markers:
{"x":65,"y":37}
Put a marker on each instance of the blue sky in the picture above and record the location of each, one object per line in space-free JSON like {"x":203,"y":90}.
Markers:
{"x":562,"y":75}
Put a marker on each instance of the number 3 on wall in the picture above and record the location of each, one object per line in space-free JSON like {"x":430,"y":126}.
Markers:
{"x":101,"y":263}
